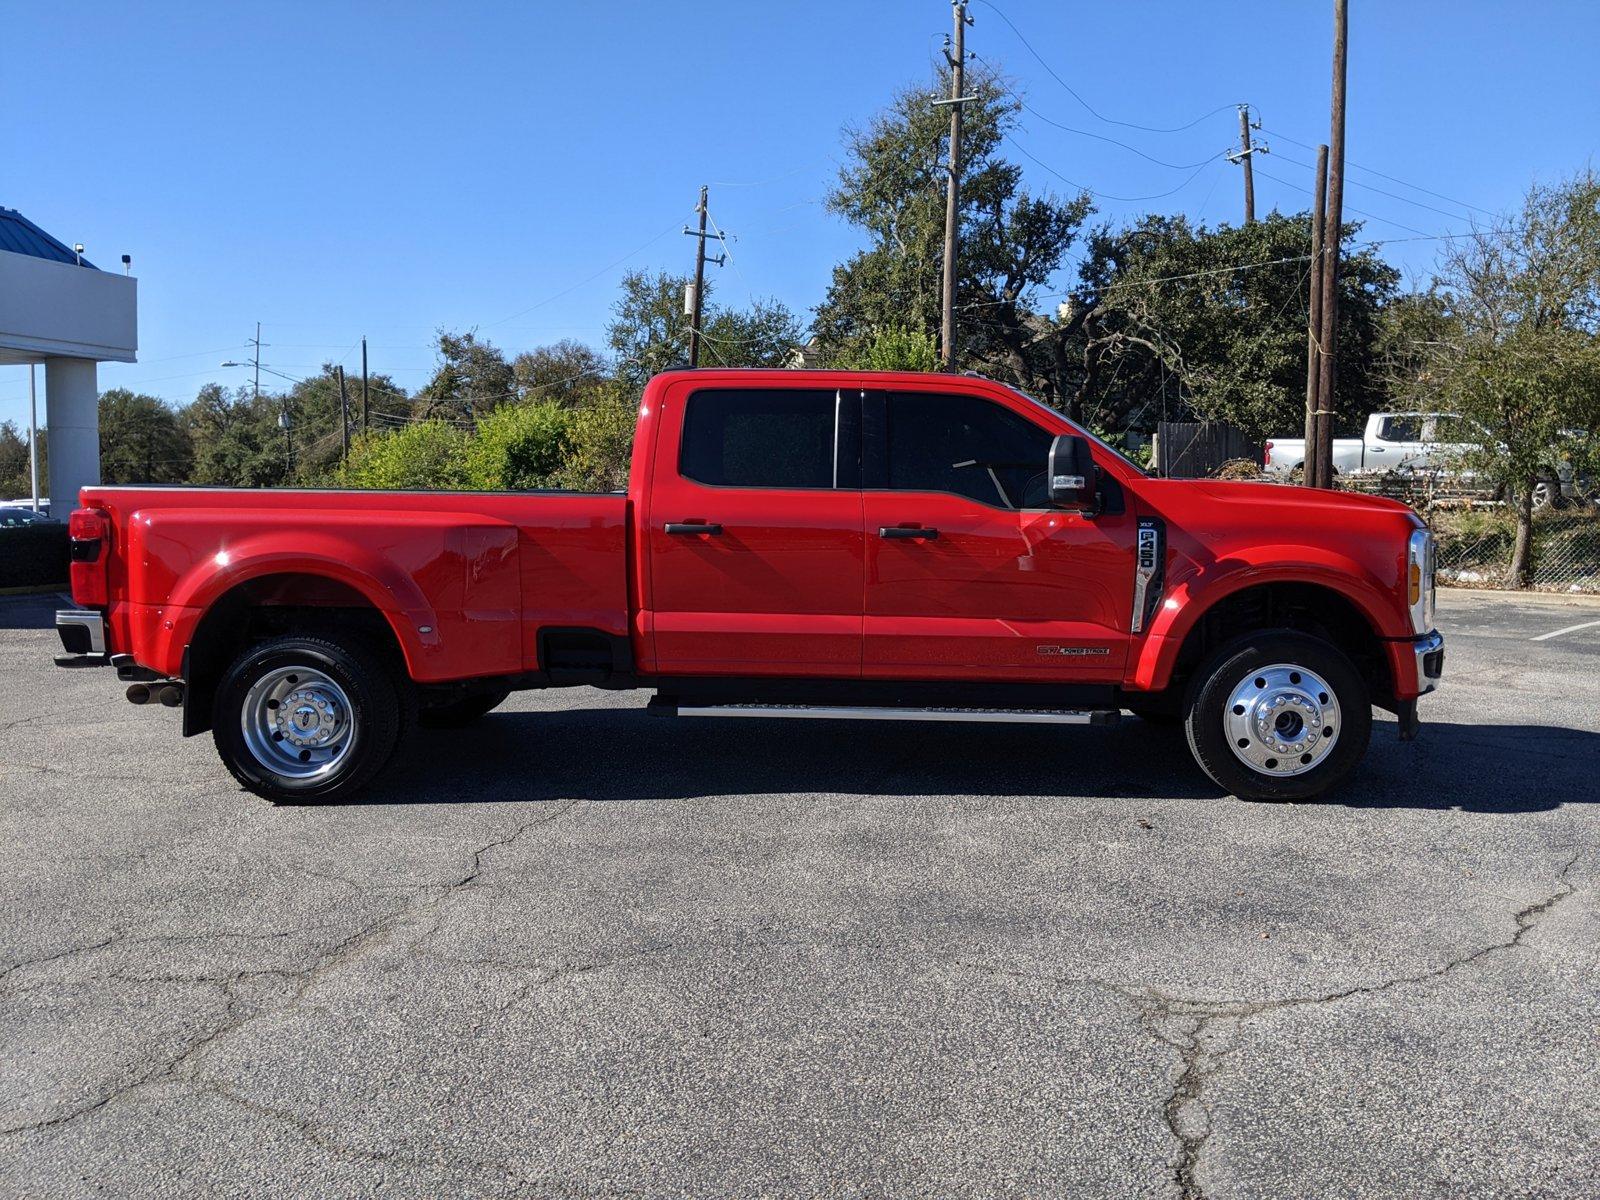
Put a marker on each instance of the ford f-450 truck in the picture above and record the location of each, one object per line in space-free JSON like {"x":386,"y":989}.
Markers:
{"x":790,"y":544}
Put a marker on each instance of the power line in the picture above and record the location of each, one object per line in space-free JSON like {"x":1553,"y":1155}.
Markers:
{"x":1352,"y":208}
{"x":1391,"y":178}
{"x":1106,"y":195}
{"x":1099,"y":137}
{"x":611,"y":266}
{"x":1392,"y":195}
{"x":1094,"y":112}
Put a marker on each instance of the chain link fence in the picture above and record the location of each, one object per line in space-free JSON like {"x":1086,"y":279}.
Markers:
{"x":1474,"y":548}
{"x":1475,"y":532}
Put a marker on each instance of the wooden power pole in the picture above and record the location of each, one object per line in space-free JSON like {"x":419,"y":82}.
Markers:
{"x":1314,"y":317}
{"x":694,"y":302}
{"x":363,"y":384}
{"x":1244,"y":156}
{"x":1320,"y":457}
{"x":344,"y":412}
{"x":956,"y":55}
{"x":1249,"y":172}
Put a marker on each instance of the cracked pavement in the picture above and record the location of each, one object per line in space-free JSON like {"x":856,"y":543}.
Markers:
{"x":581,"y":951}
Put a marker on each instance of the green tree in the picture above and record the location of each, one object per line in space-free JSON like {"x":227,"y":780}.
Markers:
{"x":15,"y":479}
{"x":895,"y":348}
{"x":142,"y":440}
{"x":429,"y":455}
{"x":472,"y":378}
{"x":564,"y":371}
{"x":519,"y":447}
{"x":1525,"y":364}
{"x":314,"y":406}
{"x":1185,"y":319}
{"x":650,"y":332}
{"x":892,"y":187}
{"x":235,"y":438}
{"x":601,"y":441}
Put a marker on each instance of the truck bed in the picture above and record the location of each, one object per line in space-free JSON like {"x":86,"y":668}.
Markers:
{"x":467,"y":580}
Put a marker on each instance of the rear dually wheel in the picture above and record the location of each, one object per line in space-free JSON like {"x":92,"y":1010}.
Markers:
{"x":305,"y":719}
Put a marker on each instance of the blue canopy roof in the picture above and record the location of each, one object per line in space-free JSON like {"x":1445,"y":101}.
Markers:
{"x":21,"y":236}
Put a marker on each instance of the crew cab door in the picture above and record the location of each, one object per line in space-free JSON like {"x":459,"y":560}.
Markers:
{"x":754,"y":532}
{"x":970,"y":573}
{"x":1398,"y":444}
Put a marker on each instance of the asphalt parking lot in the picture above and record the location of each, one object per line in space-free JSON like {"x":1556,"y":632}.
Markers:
{"x":581,"y":951}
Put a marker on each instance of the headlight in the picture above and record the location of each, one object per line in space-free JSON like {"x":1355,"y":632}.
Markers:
{"x":1419,"y":580}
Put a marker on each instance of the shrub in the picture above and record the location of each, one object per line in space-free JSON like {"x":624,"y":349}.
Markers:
{"x":601,"y":444}
{"x":893,"y":349}
{"x":519,"y":447}
{"x":429,"y":455}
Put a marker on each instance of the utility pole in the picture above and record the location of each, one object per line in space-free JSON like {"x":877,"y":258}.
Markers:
{"x":344,"y":410}
{"x":1332,"y":226}
{"x":256,"y":359}
{"x":1243,"y":156}
{"x":1314,"y":318}
{"x":693,"y":303}
{"x":956,"y":55}
{"x":363,"y":384}
{"x":33,"y":434}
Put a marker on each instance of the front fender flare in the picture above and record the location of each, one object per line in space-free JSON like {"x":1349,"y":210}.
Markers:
{"x":1194,"y":594}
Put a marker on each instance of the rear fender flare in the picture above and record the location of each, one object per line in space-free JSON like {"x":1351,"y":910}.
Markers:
{"x":384,"y":585}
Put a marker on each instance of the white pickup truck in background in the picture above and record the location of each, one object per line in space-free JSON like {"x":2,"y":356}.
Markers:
{"x":1413,"y":441}
{"x":1420,"y":442}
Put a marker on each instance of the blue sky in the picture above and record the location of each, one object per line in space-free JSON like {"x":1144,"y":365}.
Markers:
{"x":338,"y":169}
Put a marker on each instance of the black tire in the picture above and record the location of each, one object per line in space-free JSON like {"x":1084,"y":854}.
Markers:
{"x":1207,"y":710}
{"x":378,"y":707}
{"x":462,"y":711}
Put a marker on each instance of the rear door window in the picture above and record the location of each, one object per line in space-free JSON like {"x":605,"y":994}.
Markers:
{"x":771,"y":438}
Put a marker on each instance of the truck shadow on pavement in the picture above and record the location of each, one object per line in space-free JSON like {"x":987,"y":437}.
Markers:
{"x":623,"y":754}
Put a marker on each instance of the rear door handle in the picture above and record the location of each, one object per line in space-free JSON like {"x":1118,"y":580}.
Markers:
{"x":691,"y":528}
{"x":907,"y":531}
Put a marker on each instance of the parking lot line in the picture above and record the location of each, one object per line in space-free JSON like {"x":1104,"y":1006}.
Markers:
{"x":1555,"y":633}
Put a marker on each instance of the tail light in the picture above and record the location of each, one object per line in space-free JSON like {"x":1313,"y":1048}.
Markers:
{"x":1266,"y":454}
{"x":89,"y":547}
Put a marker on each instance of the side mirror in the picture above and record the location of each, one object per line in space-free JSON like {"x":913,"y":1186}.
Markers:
{"x":1071,"y":473}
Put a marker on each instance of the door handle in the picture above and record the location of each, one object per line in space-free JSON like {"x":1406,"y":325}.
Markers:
{"x":691,"y":528}
{"x":907,"y":531}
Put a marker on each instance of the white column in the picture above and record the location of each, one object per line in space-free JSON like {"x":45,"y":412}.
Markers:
{"x":72,"y":413}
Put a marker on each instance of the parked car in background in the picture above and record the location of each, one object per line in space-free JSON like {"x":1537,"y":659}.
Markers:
{"x":1418,"y":443}
{"x":13,"y":515}
{"x":1392,"y":441}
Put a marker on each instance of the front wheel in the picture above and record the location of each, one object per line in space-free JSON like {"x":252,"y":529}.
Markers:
{"x":1278,"y":715}
{"x":303,"y":719}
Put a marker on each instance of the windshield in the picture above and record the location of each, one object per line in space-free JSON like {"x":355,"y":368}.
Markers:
{"x":1104,"y":445}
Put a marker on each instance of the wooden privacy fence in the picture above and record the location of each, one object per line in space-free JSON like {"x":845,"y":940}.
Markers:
{"x":1195,"y":449}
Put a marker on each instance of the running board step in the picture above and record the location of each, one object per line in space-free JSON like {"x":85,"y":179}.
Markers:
{"x":831,"y":712}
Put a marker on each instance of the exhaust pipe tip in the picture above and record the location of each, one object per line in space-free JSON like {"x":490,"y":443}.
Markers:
{"x":138,"y":693}
{"x":171,"y":695}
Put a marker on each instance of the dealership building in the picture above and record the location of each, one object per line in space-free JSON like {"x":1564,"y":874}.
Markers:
{"x":59,"y":310}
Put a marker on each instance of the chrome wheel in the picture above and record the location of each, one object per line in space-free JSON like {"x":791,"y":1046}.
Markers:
{"x":298,"y":723}
{"x":1282,"y":720}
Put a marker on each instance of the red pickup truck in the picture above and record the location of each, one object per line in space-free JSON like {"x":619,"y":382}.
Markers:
{"x":791,"y":544}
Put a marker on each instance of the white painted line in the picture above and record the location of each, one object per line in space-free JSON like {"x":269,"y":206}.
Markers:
{"x":1555,"y":633}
